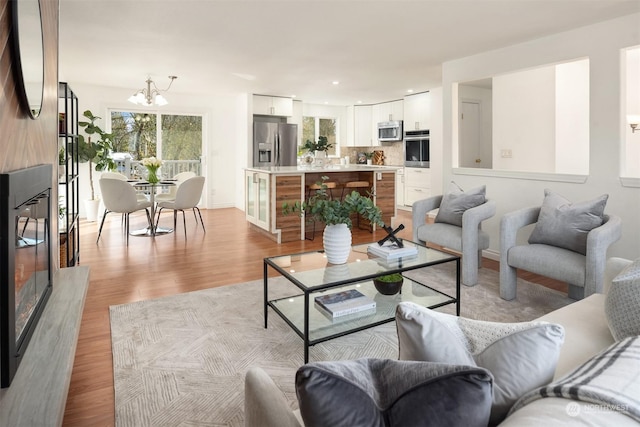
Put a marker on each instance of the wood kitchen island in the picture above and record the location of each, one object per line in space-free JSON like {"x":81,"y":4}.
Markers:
{"x":267,"y":188}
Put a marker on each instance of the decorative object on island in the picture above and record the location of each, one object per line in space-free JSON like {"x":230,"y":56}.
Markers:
{"x":336,"y":215}
{"x":152,"y":164}
{"x":94,"y":152}
{"x":318,"y":149}
{"x":389,"y":284}
{"x":378,"y":157}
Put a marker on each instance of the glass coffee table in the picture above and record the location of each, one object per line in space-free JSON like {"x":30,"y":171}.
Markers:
{"x":310,"y":272}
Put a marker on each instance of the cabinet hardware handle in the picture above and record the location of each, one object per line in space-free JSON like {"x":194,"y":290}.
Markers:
{"x":478,"y":160}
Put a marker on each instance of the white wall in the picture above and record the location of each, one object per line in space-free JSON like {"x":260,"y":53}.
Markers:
{"x":631,"y":105}
{"x":224,"y":129}
{"x":524,"y":120}
{"x":601,"y":43}
{"x":572,"y":117}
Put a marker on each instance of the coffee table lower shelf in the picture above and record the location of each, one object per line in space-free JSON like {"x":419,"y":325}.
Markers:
{"x":322,"y":328}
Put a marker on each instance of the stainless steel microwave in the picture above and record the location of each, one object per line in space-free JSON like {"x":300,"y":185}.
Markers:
{"x":416,"y":149}
{"x":390,"y":131}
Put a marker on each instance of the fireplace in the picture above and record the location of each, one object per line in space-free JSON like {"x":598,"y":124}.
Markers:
{"x":25,"y":260}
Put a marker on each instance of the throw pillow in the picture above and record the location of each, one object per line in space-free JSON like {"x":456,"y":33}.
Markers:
{"x":566,"y":225}
{"x":520,"y":356}
{"x":456,"y":202}
{"x":622,"y":303}
{"x":608,"y":381}
{"x":384,"y":392}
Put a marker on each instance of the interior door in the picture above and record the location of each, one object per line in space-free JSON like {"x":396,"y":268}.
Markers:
{"x":470,"y":136}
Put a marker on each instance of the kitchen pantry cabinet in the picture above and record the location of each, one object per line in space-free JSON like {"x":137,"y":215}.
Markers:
{"x":417,"y":184}
{"x":363,"y":126}
{"x":417,"y":111}
{"x":272,"y":106}
{"x":257,"y":198}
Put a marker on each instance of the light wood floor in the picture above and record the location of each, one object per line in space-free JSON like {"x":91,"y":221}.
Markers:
{"x":229,"y":252}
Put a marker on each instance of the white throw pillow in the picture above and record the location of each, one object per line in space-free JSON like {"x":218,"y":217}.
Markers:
{"x":622,"y":303}
{"x":520,"y":356}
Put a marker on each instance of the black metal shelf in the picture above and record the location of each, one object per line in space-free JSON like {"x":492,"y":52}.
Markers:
{"x":69,"y":180}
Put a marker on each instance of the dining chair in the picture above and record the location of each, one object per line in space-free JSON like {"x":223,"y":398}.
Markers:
{"x":119,"y":196}
{"x":187,"y":197}
{"x":171,"y":194}
{"x":115,"y":175}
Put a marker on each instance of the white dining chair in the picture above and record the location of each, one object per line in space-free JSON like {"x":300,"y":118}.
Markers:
{"x":119,"y":196}
{"x":115,"y":175}
{"x":187,"y":197}
{"x":171,"y":194}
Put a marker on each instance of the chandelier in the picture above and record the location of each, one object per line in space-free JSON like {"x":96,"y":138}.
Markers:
{"x":149,"y":96}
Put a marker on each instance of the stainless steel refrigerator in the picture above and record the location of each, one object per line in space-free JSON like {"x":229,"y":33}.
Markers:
{"x":275,"y":144}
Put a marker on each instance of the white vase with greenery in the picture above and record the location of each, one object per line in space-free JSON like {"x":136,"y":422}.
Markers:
{"x":321,"y":207}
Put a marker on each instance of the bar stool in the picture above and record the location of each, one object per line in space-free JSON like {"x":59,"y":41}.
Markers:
{"x":314,"y":187}
{"x":356,"y":186}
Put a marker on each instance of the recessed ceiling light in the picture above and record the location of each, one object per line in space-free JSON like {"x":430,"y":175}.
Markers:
{"x":293,"y":96}
{"x":326,"y":102}
{"x":335,"y":82}
{"x":409,"y":90}
{"x":359,"y":102}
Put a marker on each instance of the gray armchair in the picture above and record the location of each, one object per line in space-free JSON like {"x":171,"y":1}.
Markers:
{"x":469,"y":239}
{"x":583,"y":273}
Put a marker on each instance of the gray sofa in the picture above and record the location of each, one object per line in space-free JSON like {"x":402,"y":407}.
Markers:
{"x":586,"y":334}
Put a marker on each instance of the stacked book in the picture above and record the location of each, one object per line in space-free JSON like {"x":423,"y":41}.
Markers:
{"x":390,"y":250}
{"x":343,"y":303}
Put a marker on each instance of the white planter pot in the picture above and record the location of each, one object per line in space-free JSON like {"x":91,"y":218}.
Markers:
{"x":337,"y":243}
{"x":91,"y":209}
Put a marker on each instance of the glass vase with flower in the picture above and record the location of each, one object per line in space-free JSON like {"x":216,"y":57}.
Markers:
{"x":152,"y":164}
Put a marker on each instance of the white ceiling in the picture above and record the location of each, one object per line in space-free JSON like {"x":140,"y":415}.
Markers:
{"x":377,"y":50}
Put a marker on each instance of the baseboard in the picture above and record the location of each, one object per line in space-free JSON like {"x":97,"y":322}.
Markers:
{"x":491,"y":254}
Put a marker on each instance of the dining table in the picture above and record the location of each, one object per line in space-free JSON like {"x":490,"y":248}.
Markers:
{"x":151,"y":188}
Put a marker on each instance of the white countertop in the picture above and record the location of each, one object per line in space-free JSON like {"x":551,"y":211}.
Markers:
{"x":327,"y":169}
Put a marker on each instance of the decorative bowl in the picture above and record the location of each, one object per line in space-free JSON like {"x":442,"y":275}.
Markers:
{"x":386,"y":287}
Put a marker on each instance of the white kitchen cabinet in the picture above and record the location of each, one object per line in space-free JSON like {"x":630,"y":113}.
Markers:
{"x":388,"y":111}
{"x":362,"y":126}
{"x":417,"y":111}
{"x":400,"y":187}
{"x":417,"y":184}
{"x":272,"y":106}
{"x":257,"y":195}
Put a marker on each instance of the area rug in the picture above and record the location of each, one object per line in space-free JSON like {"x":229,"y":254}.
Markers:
{"x":181,"y":360}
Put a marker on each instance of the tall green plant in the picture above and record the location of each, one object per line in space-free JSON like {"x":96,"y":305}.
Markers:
{"x":96,"y":151}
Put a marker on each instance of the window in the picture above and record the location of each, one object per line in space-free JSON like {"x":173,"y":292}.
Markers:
{"x":176,"y":139}
{"x":314,"y":127}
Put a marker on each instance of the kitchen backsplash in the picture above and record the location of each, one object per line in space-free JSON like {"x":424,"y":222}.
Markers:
{"x":393,"y":153}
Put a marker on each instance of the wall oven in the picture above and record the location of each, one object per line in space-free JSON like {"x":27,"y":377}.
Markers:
{"x":416,"y":148}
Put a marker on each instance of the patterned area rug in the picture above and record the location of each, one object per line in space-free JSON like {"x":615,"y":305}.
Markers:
{"x":181,"y":360}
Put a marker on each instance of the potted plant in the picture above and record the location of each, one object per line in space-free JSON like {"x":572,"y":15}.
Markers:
{"x":318,"y":149}
{"x":62,"y":162}
{"x":336,"y":215}
{"x":94,"y":151}
{"x":389,"y":284}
